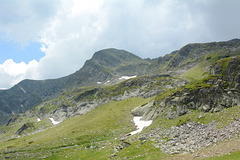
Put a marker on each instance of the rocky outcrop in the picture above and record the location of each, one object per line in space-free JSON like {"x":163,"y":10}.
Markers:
{"x":24,"y":128}
{"x":194,"y":52}
{"x":64,"y":112}
{"x":141,"y":110}
{"x":212,"y":94}
{"x":68,"y":105}
{"x":189,"y":137}
{"x":92,"y":98}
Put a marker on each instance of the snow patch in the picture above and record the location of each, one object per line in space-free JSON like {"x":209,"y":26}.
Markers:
{"x":22,"y":89}
{"x":38,"y":119}
{"x":107,"y":82}
{"x":53,"y":121}
{"x":140,"y":124}
{"x":127,"y":77}
{"x":99,"y":82}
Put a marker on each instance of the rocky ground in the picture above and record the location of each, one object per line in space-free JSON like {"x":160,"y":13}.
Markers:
{"x":189,"y":137}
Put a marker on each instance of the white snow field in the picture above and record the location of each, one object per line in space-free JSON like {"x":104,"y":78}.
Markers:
{"x":127,"y":77}
{"x":53,"y":121}
{"x":140,"y":124}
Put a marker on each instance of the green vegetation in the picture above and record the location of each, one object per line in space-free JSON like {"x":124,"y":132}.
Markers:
{"x":217,"y":55}
{"x":164,"y":94}
{"x":95,"y":134}
{"x":188,"y":61}
{"x":96,"y":130}
{"x":101,"y":127}
{"x":196,"y":72}
{"x":142,"y":151}
{"x":202,"y":83}
{"x":225,"y":62}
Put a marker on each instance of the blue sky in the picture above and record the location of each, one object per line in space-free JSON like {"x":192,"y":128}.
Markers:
{"x":20,"y":53}
{"x":60,"y":35}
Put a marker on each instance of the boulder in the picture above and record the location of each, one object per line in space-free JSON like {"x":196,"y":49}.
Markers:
{"x":140,"y":110}
{"x":24,"y":128}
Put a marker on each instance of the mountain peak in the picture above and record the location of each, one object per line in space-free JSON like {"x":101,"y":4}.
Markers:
{"x":114,"y":57}
{"x":106,"y":64}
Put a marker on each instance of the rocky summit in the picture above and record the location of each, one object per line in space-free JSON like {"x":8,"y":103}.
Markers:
{"x":191,"y":97}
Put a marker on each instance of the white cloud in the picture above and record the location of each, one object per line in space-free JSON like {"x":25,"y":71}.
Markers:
{"x":72,"y":30}
{"x":12,"y":68}
{"x":11,"y":72}
{"x":71,"y":38}
{"x":24,"y":21}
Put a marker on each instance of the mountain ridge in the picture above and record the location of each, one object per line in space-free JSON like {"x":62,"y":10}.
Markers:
{"x":94,"y":70}
{"x":105,"y":65}
{"x":191,"y":95}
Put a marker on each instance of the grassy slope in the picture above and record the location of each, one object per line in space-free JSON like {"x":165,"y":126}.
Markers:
{"x":195,"y":73}
{"x":97,"y":128}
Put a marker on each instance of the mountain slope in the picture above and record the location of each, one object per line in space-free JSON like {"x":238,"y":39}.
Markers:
{"x":193,"y":53}
{"x":104,"y":65}
{"x":110,"y":64}
{"x":95,"y":129}
{"x":26,"y":94}
{"x":192,"y":96}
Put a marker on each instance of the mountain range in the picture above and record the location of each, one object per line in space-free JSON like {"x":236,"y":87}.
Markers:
{"x":197,"y":84}
{"x":104,"y":65}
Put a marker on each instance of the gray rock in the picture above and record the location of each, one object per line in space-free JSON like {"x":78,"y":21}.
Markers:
{"x":24,"y":128}
{"x":142,"y":138}
{"x":126,"y":144}
{"x":139,"y":111}
{"x":192,"y":136}
{"x":122,"y":139}
{"x":112,"y":155}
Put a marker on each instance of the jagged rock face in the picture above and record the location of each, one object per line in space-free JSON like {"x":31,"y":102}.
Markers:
{"x":231,"y":72}
{"x":13,"y":119}
{"x":223,"y":91}
{"x":213,"y":95}
{"x":24,"y":128}
{"x":206,"y":99}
